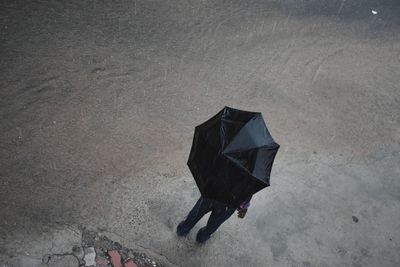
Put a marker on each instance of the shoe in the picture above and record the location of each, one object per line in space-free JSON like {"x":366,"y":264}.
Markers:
{"x":180,"y":231}
{"x":201,"y":236}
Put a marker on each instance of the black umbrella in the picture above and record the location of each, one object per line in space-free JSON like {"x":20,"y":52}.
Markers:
{"x":232,"y":156}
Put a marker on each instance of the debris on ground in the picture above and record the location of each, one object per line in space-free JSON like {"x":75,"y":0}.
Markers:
{"x":97,"y":250}
{"x":90,"y":257}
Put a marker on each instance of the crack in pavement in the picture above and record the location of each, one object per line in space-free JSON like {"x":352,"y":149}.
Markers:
{"x":94,"y":251}
{"x":50,"y":256}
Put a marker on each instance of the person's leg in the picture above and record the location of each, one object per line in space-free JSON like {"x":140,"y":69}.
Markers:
{"x":200,"y":208}
{"x":219,"y":214}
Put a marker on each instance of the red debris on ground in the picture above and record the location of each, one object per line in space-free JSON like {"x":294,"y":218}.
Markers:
{"x":115,"y":258}
{"x":101,"y":262}
{"x":130,"y":263}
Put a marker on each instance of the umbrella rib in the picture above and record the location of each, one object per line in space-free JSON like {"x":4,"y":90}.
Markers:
{"x":244,"y":169}
{"x":275,"y":146}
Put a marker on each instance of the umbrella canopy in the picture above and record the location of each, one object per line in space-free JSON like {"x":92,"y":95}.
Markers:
{"x":232,"y":156}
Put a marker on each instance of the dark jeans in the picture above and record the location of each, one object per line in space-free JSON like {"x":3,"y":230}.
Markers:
{"x":220,"y":212}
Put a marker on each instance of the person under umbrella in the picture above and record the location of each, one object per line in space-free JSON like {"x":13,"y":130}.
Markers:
{"x":220,"y":212}
{"x":231,"y":159}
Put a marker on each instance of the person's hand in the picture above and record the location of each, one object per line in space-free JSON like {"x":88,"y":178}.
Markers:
{"x":242,"y":213}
